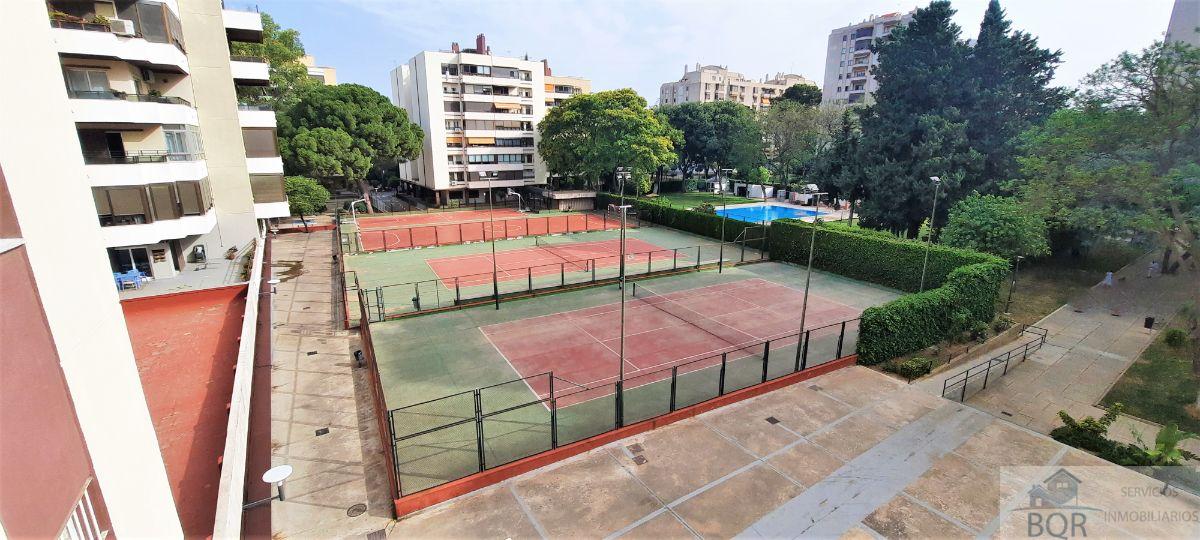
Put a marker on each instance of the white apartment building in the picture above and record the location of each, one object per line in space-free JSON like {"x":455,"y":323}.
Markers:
{"x":848,"y":59}
{"x":479,"y":113}
{"x":717,"y":83}
{"x":122,"y":148}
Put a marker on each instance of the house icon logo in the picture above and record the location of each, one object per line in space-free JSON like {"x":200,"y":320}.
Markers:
{"x":1060,"y":490}
{"x":1054,"y":508}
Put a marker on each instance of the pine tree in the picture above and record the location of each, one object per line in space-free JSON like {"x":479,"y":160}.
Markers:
{"x":917,"y":127}
{"x":1013,"y":76}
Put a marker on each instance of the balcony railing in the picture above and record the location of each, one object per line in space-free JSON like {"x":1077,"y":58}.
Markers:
{"x":244,"y":58}
{"x":68,"y":24}
{"x":106,"y":157}
{"x":140,"y":98}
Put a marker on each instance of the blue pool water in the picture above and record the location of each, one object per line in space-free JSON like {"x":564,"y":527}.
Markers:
{"x":760,"y":213}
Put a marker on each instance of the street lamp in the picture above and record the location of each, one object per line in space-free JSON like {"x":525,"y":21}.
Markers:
{"x":624,"y":209}
{"x":275,"y":475}
{"x":1013,"y":283}
{"x":812,"y":245}
{"x":623,"y":174}
{"x":937,"y":183}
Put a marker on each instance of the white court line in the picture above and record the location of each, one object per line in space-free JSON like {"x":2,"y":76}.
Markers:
{"x":524,"y":379}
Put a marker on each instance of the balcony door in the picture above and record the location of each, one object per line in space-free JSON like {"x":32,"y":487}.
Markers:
{"x":126,"y":259}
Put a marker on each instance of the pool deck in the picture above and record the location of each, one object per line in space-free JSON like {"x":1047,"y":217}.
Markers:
{"x":827,"y":213}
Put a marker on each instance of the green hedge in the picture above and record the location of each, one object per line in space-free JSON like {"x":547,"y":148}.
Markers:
{"x":960,"y":285}
{"x":686,"y":220}
{"x":868,"y":255}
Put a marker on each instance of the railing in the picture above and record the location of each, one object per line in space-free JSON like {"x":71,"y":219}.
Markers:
{"x":255,"y":107}
{"x":112,"y":94}
{"x":402,"y":299}
{"x":246,"y":58}
{"x":140,"y":156}
{"x":957,"y":385}
{"x":444,"y":439}
{"x":79,"y":25}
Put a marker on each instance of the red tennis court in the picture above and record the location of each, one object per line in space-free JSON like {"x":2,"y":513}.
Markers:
{"x":476,"y":230}
{"x":581,"y":346}
{"x":476,"y":269}
{"x":429,"y":218}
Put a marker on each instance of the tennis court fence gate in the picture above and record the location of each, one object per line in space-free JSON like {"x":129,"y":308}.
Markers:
{"x":451,"y":437}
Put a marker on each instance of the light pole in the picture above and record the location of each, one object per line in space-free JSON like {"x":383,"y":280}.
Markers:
{"x":1012,"y":284}
{"x":620,"y":404}
{"x":492,"y":230}
{"x":937,"y":183}
{"x":812,"y":245}
{"x":724,"y":210}
{"x":623,"y":174}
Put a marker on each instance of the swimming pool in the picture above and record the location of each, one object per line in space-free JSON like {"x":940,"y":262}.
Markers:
{"x":766,"y":212}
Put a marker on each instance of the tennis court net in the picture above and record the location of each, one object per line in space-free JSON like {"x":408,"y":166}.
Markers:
{"x":558,"y":249}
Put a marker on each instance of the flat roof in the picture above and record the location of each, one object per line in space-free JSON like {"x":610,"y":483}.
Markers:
{"x":186,"y":347}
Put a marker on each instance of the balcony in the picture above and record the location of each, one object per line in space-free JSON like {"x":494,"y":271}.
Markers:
{"x":133,"y":234}
{"x":256,"y":116}
{"x":142,"y":167}
{"x":250,"y":70}
{"x":107,"y":106}
{"x":264,"y":165}
{"x":158,"y":46}
{"x":270,"y":198}
{"x":244,"y":26}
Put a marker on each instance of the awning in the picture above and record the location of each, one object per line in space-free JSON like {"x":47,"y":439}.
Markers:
{"x":549,"y":87}
{"x":481,"y":140}
{"x":455,"y":140}
{"x":507,"y":106}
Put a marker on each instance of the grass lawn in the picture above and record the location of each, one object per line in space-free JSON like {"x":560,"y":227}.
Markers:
{"x":691,"y":200}
{"x":1044,"y":285}
{"x":1160,"y":385}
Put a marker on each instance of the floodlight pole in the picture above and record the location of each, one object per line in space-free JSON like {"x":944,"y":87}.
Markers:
{"x":937,"y":183}
{"x":812,"y":244}
{"x":492,"y":229}
{"x":620,"y":401}
{"x":1013,"y":284}
{"x":724,"y":211}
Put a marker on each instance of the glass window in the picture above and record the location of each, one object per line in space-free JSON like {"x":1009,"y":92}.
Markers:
{"x":87,"y":80}
{"x":449,"y":69}
{"x":260,"y":142}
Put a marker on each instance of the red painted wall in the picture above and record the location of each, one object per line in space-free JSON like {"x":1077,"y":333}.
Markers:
{"x":44,"y":464}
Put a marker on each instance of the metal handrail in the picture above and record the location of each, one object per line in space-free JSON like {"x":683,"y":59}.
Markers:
{"x":117,"y":95}
{"x":106,"y":157}
{"x":963,"y":378}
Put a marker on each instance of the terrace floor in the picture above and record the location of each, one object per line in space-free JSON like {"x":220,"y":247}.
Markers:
{"x":852,"y":453}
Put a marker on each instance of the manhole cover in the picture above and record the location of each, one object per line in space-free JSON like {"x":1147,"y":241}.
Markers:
{"x":310,"y":353}
{"x":640,"y":460}
{"x":635,"y":448}
{"x":772,"y":420}
{"x":322,"y":431}
{"x":356,"y":510}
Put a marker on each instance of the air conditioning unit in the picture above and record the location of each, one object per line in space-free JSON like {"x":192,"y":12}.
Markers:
{"x":122,"y":27}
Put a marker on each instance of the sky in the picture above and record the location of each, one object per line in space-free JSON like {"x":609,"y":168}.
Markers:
{"x":642,"y":44}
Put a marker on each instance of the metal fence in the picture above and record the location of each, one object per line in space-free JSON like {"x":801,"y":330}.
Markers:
{"x":366,"y":358}
{"x":448,"y":438}
{"x":447,"y":234}
{"x":975,"y":378}
{"x":396,"y":300}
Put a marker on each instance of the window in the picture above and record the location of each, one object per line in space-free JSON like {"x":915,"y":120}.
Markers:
{"x":194,"y":197}
{"x":839,"y":76}
{"x":454,"y":159}
{"x":477,"y":89}
{"x":844,"y":37}
{"x":267,"y":188}
{"x":260,"y":142}
{"x":481,"y":158}
{"x":184,"y":142}
{"x":454,"y":142}
{"x":485,"y":71}
{"x":454,"y":124}
{"x":449,"y":69}
{"x":453,"y":106}
{"x":457,"y":177}
{"x":450,"y":89}
{"x":842,"y":63}
{"x":87,"y":81}
{"x":520,"y":141}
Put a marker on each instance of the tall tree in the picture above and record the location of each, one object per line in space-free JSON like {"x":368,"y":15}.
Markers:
{"x":797,"y":136}
{"x":588,"y":136}
{"x":282,"y":49}
{"x":805,"y":95}
{"x":305,"y":197}
{"x":1013,"y":78}
{"x":378,"y":130}
{"x":917,"y":127}
{"x":998,"y":225}
{"x":838,"y":165}
{"x":738,"y":139}
{"x":694,"y":123}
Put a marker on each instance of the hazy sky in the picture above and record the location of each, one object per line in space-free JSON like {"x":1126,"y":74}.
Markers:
{"x":641,"y":44}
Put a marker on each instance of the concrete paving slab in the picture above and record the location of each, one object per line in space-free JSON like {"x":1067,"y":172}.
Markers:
{"x":591,"y":494}
{"x":902,"y":517}
{"x":737,"y":503}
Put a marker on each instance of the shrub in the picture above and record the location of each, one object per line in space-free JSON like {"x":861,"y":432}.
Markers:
{"x":706,"y":208}
{"x":1175,"y":337}
{"x":686,"y":220}
{"x":979,"y":331}
{"x":910,"y":369}
{"x":1002,"y":323}
{"x":1089,"y":433}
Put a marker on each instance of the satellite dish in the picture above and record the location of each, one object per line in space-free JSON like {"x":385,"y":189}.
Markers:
{"x":277,"y":474}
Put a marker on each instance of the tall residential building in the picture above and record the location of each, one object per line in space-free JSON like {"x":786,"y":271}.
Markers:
{"x":848,"y":59}
{"x":122,"y":149}
{"x":717,"y":83}
{"x":322,"y":74}
{"x":1185,"y":21}
{"x":479,"y":113}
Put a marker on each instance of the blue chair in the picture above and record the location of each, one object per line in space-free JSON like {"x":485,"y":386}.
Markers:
{"x":133,"y":276}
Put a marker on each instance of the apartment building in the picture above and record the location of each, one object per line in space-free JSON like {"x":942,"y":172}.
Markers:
{"x":122,"y":148}
{"x":479,"y":112}
{"x":322,"y":74}
{"x":848,"y":58}
{"x":717,"y":83}
{"x":1184,"y":25}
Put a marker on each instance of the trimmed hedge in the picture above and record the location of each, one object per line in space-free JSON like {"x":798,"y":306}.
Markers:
{"x":960,"y":285}
{"x":685,"y":220}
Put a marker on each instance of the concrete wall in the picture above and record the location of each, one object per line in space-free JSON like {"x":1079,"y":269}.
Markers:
{"x":216,"y":103}
{"x":71,"y":270}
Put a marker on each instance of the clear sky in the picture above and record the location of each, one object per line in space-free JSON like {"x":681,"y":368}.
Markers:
{"x":643,"y":43}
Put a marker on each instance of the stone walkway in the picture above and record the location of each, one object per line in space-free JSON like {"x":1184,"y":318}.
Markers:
{"x":317,"y":425}
{"x":1087,"y":350}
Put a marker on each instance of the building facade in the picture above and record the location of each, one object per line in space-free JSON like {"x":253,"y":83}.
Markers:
{"x":717,"y":83}
{"x":322,"y":74}
{"x":1185,"y":22}
{"x":849,"y":60}
{"x":479,"y":112}
{"x":123,"y":149}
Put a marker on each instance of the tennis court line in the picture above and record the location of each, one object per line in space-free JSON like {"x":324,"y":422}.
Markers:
{"x":525,"y":378}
